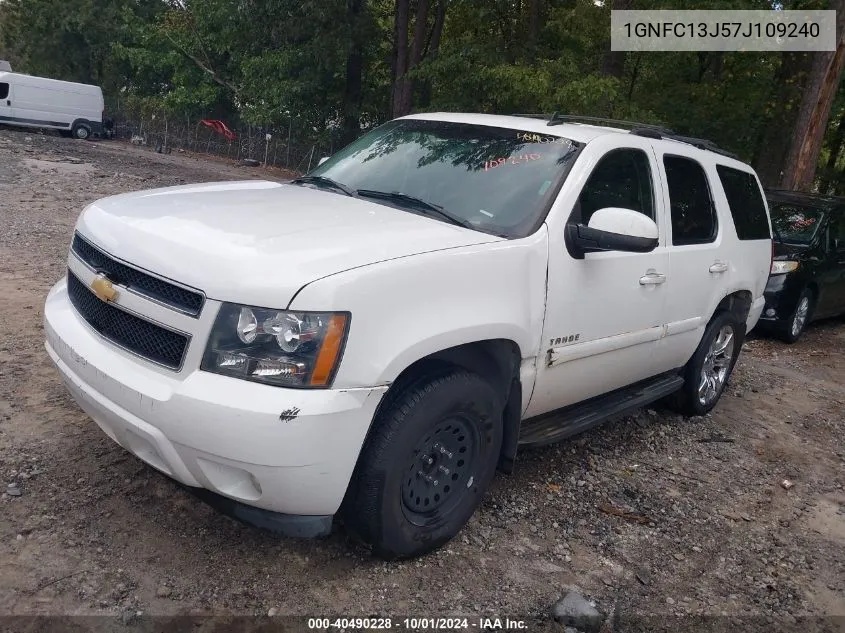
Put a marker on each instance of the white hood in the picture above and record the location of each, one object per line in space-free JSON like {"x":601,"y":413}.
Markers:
{"x":257,"y":242}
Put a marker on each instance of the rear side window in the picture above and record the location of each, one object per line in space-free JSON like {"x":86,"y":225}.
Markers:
{"x":4,"y":90}
{"x":746,"y":203}
{"x":693,"y":214}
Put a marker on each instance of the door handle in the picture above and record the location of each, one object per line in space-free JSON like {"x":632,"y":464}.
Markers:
{"x":719,"y":267}
{"x":652,"y":278}
{"x":8,"y":102}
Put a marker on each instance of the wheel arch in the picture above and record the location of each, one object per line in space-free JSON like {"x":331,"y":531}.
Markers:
{"x":738,"y":303}
{"x":497,"y":361}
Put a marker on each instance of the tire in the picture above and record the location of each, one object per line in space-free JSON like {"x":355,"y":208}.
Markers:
{"x":81,"y":131}
{"x":688,"y":400}
{"x":799,"y":319}
{"x":426,"y":465}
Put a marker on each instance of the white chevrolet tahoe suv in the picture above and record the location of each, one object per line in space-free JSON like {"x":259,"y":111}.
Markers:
{"x":376,"y":338}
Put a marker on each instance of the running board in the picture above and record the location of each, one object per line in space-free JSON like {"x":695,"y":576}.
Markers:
{"x":558,"y":425}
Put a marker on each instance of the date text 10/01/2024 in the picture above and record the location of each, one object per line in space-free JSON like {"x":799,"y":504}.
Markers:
{"x":417,"y":624}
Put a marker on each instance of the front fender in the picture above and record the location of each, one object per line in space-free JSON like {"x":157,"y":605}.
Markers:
{"x":408,"y":308}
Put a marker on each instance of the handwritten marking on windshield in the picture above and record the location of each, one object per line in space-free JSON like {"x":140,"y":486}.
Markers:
{"x":528,"y":137}
{"x":513,"y":160}
{"x":801,"y":223}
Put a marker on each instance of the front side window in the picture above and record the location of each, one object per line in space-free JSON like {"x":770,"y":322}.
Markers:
{"x":4,"y":90}
{"x":495,"y":180}
{"x":622,"y":179}
{"x":693,"y":213}
{"x":795,"y":224}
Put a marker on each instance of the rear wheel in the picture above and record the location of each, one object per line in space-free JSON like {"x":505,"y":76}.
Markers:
{"x":82,"y":131}
{"x":426,"y":465}
{"x":800,"y":318}
{"x":708,"y":370}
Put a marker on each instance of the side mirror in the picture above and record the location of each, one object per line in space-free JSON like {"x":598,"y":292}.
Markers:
{"x":323,"y":160}
{"x":612,"y":229}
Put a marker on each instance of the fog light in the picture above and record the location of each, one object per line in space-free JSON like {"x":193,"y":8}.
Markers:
{"x":770,"y":312}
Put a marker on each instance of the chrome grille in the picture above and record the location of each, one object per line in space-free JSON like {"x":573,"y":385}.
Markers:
{"x":182,"y":299}
{"x":139,"y":336}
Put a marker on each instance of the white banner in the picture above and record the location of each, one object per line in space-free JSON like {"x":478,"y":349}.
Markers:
{"x":661,"y":30}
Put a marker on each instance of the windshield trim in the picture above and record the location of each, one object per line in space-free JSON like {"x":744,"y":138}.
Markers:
{"x":554,"y":190}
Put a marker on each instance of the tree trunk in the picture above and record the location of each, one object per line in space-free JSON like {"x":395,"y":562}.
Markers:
{"x":614,"y":61}
{"x":819,"y":91}
{"x":835,"y":149}
{"x":404,"y":95}
{"x":774,"y":139}
{"x":354,"y":72}
{"x":836,"y":145}
{"x":437,"y":31}
{"x":433,"y":48}
{"x":533,"y":24}
{"x":400,"y":67}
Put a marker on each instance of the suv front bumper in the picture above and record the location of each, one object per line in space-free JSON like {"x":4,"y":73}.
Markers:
{"x":289,"y":451}
{"x":781,"y":296}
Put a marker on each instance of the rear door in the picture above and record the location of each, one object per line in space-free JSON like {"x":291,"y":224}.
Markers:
{"x":700,"y":272}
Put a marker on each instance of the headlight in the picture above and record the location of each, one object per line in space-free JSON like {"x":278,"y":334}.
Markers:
{"x":783,"y":266}
{"x":276,"y":347}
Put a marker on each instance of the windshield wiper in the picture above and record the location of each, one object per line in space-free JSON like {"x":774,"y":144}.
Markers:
{"x":416,"y":203}
{"x":326,"y":182}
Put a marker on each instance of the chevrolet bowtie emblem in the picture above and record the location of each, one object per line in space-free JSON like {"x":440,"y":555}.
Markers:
{"x":104,"y":289}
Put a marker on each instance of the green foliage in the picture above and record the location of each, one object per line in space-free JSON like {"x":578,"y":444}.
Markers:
{"x":267,"y":62}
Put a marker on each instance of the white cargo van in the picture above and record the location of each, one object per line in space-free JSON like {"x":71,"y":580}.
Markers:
{"x":39,"y":102}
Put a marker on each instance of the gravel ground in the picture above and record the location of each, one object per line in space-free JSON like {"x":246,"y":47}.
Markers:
{"x":654,"y":515}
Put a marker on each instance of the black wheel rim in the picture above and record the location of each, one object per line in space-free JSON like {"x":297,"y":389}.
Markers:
{"x":441,"y":470}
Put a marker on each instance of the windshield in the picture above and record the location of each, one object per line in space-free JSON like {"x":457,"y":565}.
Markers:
{"x":491,"y":179}
{"x":794,"y":224}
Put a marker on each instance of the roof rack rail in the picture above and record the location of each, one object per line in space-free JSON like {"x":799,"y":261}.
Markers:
{"x":647,"y":130}
{"x":702,"y":143}
{"x":558,"y":118}
{"x":532,"y":116}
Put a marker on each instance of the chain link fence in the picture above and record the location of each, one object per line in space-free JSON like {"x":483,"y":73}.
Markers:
{"x":293,"y":148}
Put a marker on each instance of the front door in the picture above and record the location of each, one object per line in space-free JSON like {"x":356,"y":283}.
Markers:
{"x":832,"y":277}
{"x":604,"y":313}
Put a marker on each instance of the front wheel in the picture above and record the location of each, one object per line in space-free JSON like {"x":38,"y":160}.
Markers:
{"x":710,"y":367}
{"x":800,"y":318}
{"x":426,"y":465}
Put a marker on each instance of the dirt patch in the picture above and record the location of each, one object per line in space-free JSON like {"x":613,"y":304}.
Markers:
{"x":654,"y":514}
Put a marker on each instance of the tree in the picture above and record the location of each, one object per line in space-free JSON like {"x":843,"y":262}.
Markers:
{"x":811,"y":124}
{"x":409,"y":53}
